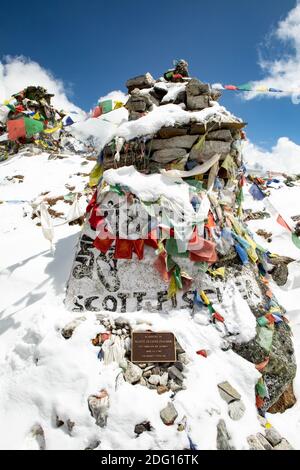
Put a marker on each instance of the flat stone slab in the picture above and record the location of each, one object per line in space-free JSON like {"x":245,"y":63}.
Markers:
{"x":184,"y":142}
{"x":228,"y":393}
{"x":141,"y":82}
{"x":168,"y":132}
{"x":209,"y":149}
{"x":168,"y":155}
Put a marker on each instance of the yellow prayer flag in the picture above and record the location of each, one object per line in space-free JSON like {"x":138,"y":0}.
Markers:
{"x":220,"y":272}
{"x":172,"y":287}
{"x":118,"y":104}
{"x":95,"y":175}
{"x":204,"y":298}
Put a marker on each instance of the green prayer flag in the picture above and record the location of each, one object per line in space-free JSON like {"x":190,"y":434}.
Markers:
{"x":261,"y":389}
{"x":170,"y":263}
{"x":245,"y":87}
{"x":116,"y":189}
{"x":177,"y":276}
{"x":32,"y":126}
{"x":262,"y":321}
{"x":296,"y":240}
{"x":106,"y":106}
{"x":265,"y":338}
{"x":211,"y":309}
{"x":171,"y":247}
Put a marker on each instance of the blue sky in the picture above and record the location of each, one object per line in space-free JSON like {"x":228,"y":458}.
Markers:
{"x":94,"y":46}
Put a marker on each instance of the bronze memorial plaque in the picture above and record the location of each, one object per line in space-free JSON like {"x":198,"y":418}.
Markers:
{"x":149,"y":346}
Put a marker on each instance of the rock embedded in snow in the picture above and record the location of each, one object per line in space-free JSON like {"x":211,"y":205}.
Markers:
{"x":154,"y":379}
{"x":121,"y":322}
{"x":236,"y":410}
{"x":284,"y":445}
{"x":98,"y":406}
{"x":169,"y":414}
{"x":183,"y":358}
{"x":264,"y":442}
{"x":162,"y":389}
{"x":223,"y":437}
{"x":69,"y":329}
{"x":254,"y":443}
{"x":133,"y":373}
{"x":163,"y":380}
{"x":228,"y":393}
{"x":174,"y":373}
{"x":174,"y":386}
{"x":273,"y":436}
{"x":178,"y":365}
{"x":142,"y":427}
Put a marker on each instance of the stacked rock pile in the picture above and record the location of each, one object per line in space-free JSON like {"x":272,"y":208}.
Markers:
{"x":187,"y":144}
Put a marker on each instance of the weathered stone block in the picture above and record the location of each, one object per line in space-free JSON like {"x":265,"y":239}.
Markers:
{"x":195,"y":103}
{"x":169,"y":132}
{"x":228,"y":393}
{"x":209,"y":149}
{"x":168,"y":414}
{"x":223,"y":437}
{"x":136,"y":104}
{"x":195,"y":88}
{"x":284,"y":445}
{"x":141,"y":82}
{"x":168,"y":155}
{"x":286,"y":400}
{"x":254,"y":443}
{"x":184,"y":142}
{"x":222,"y":134}
{"x":273,"y":436}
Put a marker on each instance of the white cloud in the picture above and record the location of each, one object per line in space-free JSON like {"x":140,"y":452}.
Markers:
{"x":17,"y":73}
{"x":283,"y":72}
{"x":284,"y":157}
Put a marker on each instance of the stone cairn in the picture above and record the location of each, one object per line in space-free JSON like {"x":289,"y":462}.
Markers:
{"x":172,"y":144}
{"x":183,"y":147}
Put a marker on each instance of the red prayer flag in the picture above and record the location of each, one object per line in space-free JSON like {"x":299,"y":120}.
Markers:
{"x":206,"y":254}
{"x":103,"y":244}
{"x":92,"y":202}
{"x":16,"y":129}
{"x":262,"y":365}
{"x":259,"y":402}
{"x":202,"y":352}
{"x":123,"y":249}
{"x":95,"y":219}
{"x":138,"y":248}
{"x":218,"y":317}
{"x":160,"y":265}
{"x":97,"y":112}
{"x":283,"y":223}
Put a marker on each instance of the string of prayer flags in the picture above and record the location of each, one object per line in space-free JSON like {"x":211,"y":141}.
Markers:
{"x":105,"y":107}
{"x":247,"y":87}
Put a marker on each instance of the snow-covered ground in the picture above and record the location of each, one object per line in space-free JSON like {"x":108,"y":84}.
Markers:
{"x":44,"y":377}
